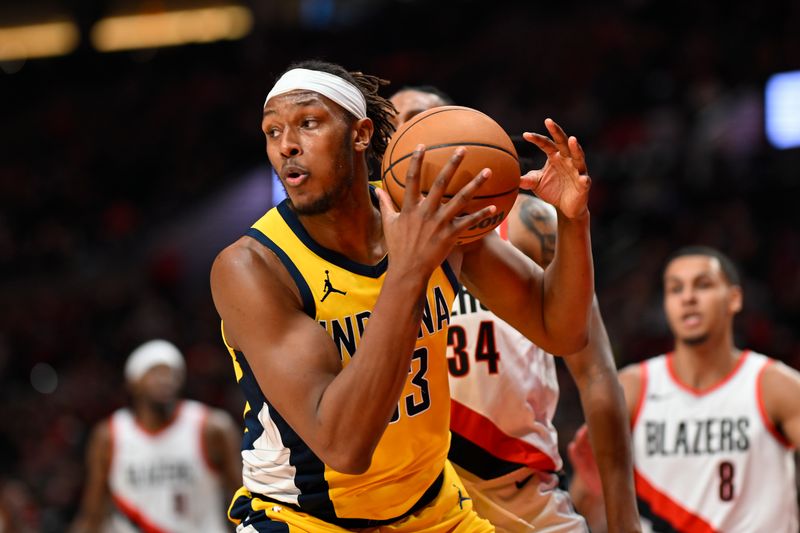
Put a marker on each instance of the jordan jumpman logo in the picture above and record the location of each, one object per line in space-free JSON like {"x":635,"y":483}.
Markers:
{"x":328,"y":288}
{"x":461,"y":497}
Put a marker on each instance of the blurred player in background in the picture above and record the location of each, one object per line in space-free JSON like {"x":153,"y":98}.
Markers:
{"x":165,"y":464}
{"x":504,"y":392}
{"x":714,"y":426}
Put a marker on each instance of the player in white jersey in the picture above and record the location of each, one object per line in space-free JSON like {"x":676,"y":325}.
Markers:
{"x":714,"y":427}
{"x":164,"y":465}
{"x":504,"y":392}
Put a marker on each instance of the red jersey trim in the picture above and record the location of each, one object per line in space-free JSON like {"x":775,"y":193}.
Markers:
{"x":702,"y":392}
{"x":643,"y":373}
{"x":112,"y":439}
{"x":502,"y":229}
{"x":763,"y":410}
{"x":666,"y":508}
{"x":482,"y":431}
{"x":136,"y":516}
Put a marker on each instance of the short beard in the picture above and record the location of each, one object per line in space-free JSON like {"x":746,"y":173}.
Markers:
{"x":330,"y":197}
{"x":695,"y":341}
{"x":325,"y":202}
{"x":163,"y":408}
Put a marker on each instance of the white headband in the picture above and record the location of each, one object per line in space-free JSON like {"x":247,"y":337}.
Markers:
{"x":150,"y":354}
{"x":337,"y":89}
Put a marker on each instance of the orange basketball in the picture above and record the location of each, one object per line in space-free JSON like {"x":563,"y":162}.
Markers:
{"x":442,"y":130}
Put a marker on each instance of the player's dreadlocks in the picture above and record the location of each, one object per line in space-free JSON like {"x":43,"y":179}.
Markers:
{"x":379,"y":109}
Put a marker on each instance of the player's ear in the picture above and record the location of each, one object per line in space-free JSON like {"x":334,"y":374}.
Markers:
{"x":362,"y":133}
{"x":737,"y":299}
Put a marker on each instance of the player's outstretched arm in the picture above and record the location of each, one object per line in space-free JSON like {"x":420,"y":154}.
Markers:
{"x":532,"y":229}
{"x":94,"y":502}
{"x":588,"y":485}
{"x":551,"y":307}
{"x":607,"y":422}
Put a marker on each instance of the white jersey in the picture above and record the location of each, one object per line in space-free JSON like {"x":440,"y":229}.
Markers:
{"x":710,"y":460}
{"x":504,"y":391}
{"x":162,"y":481}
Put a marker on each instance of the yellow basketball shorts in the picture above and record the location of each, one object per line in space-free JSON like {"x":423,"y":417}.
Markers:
{"x":450,"y":511}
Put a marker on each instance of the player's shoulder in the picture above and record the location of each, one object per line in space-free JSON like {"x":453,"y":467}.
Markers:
{"x":780,"y":370}
{"x":101,"y":435}
{"x":531,"y":210}
{"x":778,"y":380}
{"x":632,"y":380}
{"x":219,"y":420}
{"x":632,"y":372}
{"x":246,"y":262}
{"x":532,"y":226}
{"x":218,"y":428}
{"x":779,"y":394}
{"x":244,"y":253}
{"x":212,"y":419}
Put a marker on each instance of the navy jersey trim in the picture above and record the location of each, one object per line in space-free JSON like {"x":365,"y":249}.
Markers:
{"x":478,"y":461}
{"x":310,"y":470}
{"x":242,"y":510}
{"x":427,"y":497}
{"x":252,"y":393}
{"x":448,"y":271}
{"x":310,"y":474}
{"x":369,"y":271}
{"x":309,"y":307}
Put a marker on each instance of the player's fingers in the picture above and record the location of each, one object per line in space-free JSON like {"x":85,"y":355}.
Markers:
{"x":411,"y":196}
{"x":530,"y":181}
{"x":459,"y":201}
{"x":559,"y":137}
{"x":441,"y":182}
{"x":466,"y":221}
{"x":544,"y":144}
{"x":578,"y":155}
{"x":385,"y":202}
{"x":585,"y":181}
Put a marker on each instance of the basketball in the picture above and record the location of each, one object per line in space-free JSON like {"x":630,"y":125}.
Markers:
{"x":442,"y":130}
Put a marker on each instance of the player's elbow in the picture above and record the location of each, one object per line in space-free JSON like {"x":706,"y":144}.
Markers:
{"x":571,"y":342}
{"x":354,"y":461}
{"x":350,"y":453}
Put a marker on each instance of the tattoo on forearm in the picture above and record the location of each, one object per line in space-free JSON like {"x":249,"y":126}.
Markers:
{"x":539,"y":221}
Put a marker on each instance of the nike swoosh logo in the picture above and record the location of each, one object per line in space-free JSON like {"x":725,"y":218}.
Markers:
{"x":521,"y":483}
{"x":658,"y":397}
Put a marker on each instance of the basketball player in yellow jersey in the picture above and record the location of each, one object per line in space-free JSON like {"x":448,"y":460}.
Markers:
{"x":334,"y":307}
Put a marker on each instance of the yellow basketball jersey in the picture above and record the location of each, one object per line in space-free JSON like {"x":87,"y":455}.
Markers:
{"x":340,"y":295}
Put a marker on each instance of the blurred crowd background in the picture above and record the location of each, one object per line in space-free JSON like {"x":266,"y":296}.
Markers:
{"x":123,"y":174}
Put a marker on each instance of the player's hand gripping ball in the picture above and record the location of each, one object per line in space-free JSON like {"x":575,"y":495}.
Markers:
{"x":442,"y":130}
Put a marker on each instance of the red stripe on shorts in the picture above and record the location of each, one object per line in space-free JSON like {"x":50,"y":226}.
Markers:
{"x":668,"y":509}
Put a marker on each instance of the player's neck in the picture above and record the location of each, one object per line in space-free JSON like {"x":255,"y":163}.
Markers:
{"x":352,"y":228}
{"x":701,"y":366}
{"x":154,"y":417}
